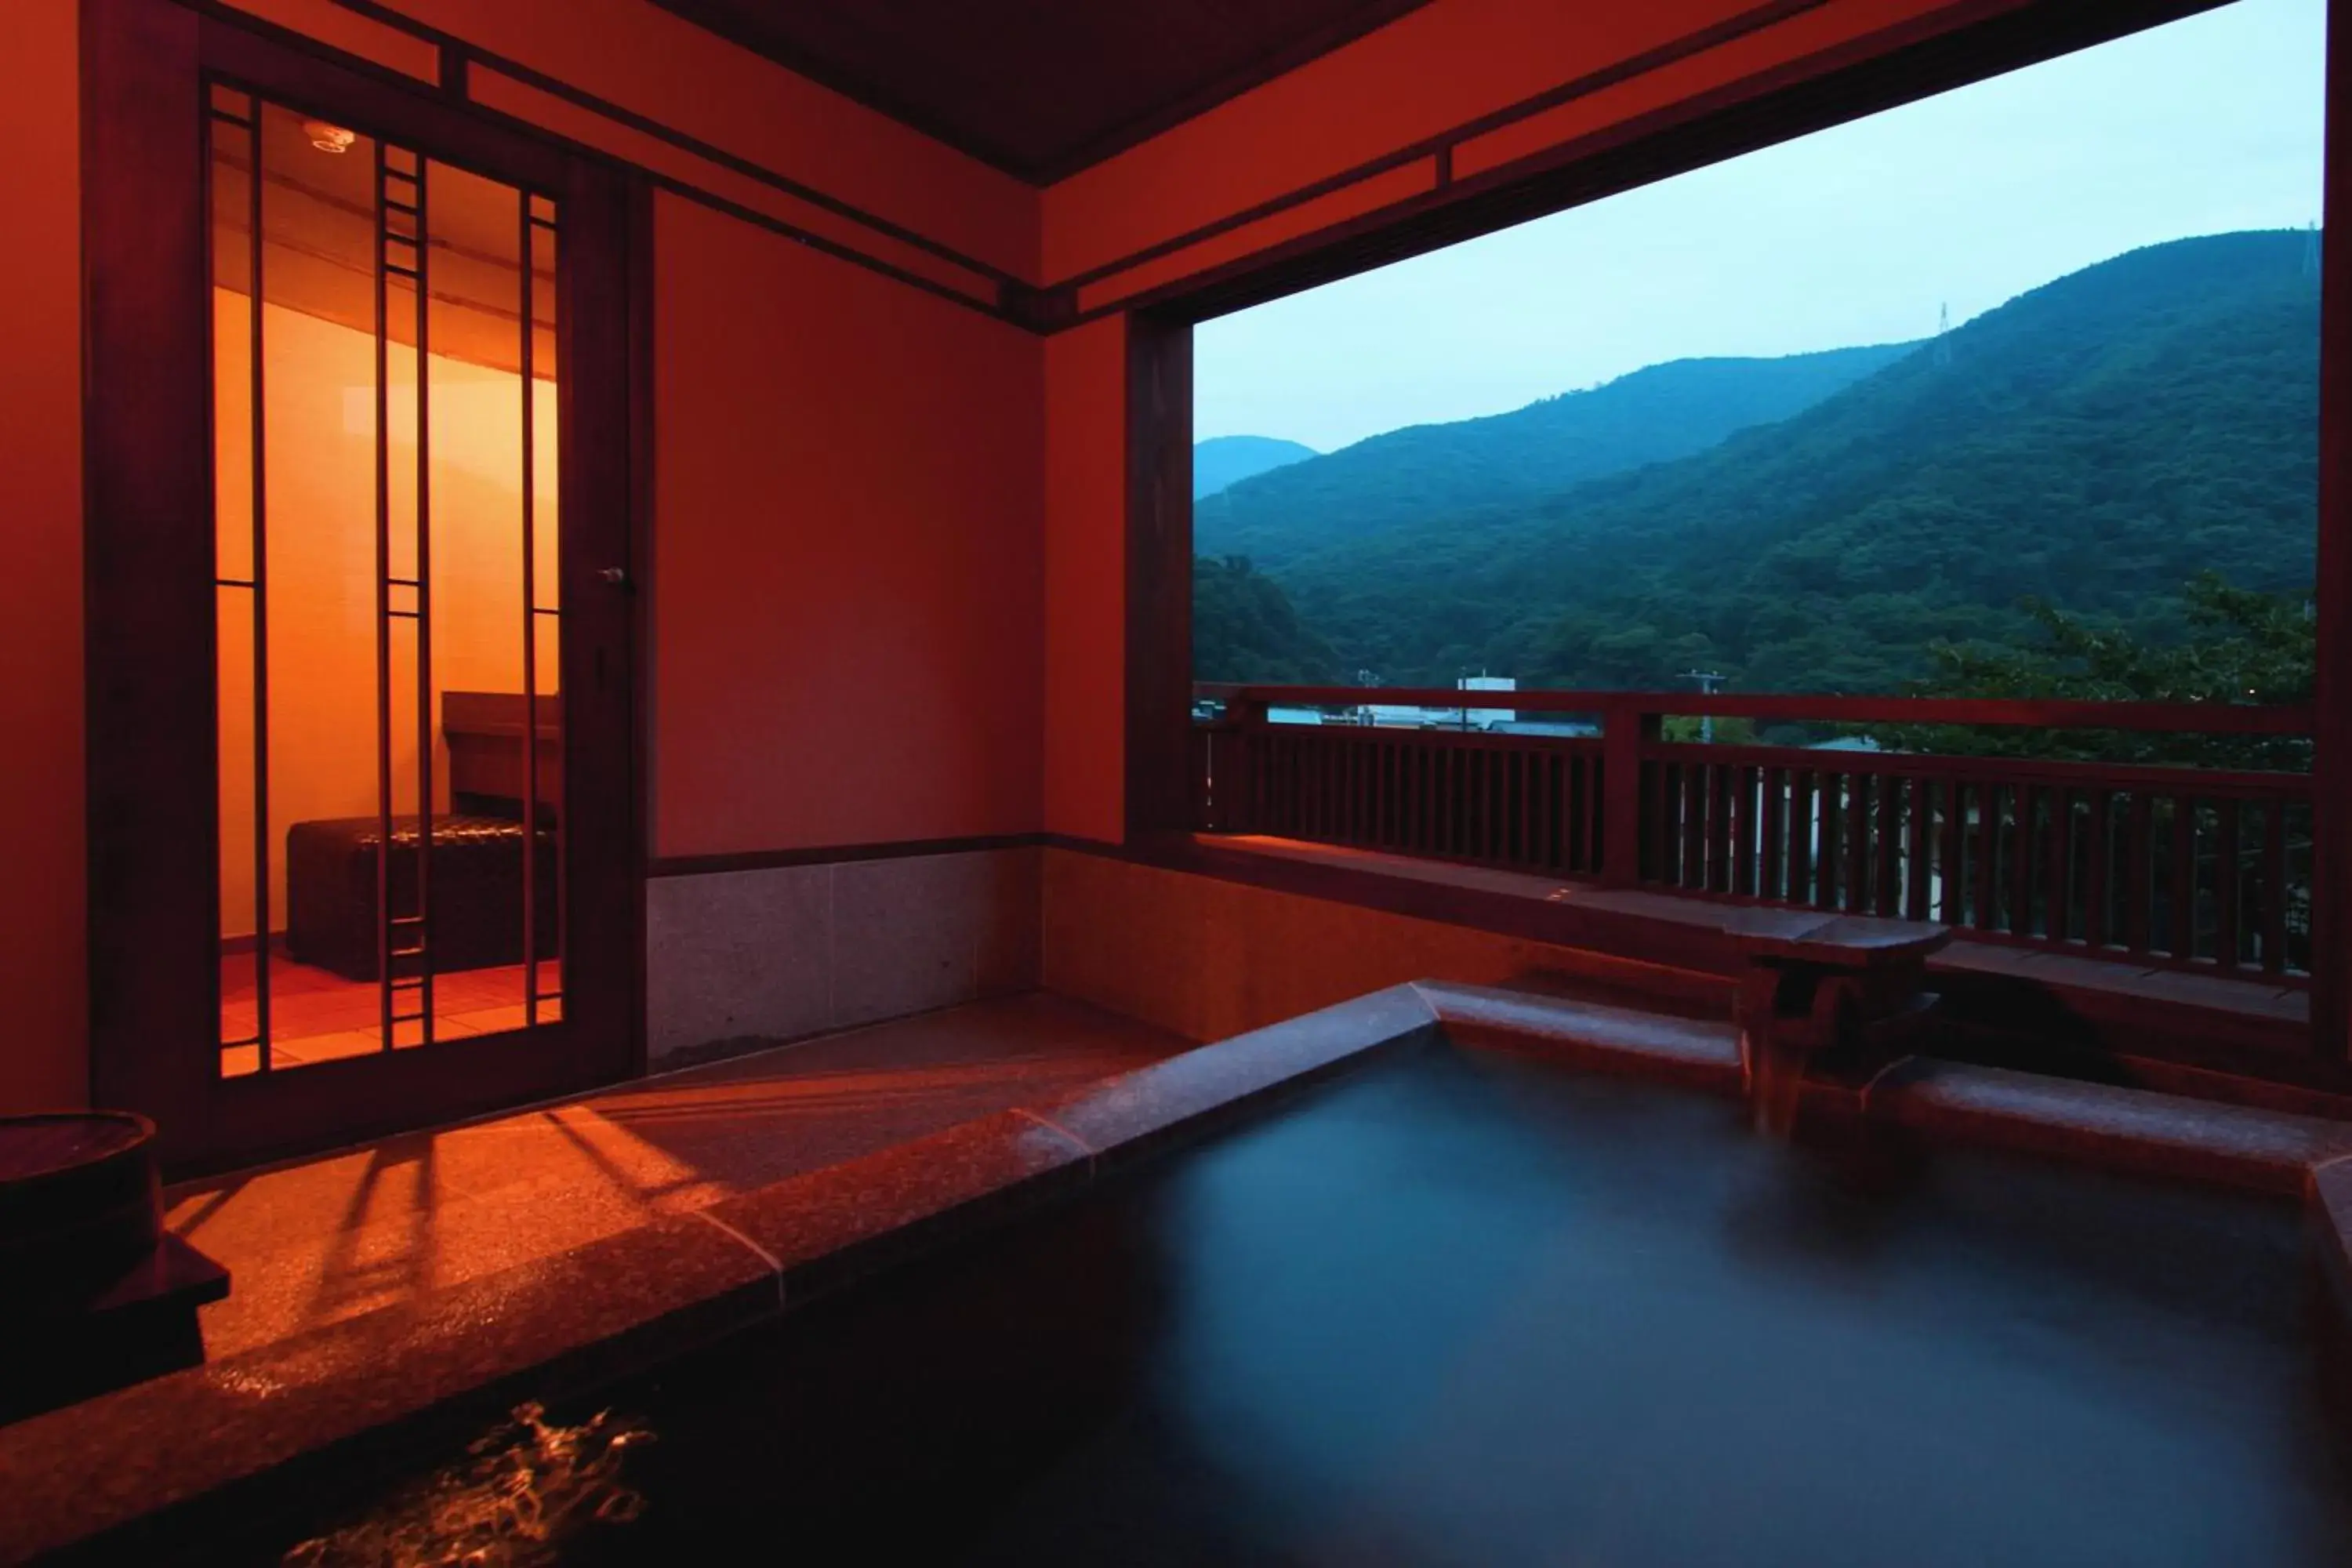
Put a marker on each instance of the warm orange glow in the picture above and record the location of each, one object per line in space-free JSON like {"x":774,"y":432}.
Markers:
{"x":320,"y":1240}
{"x":321,"y":457}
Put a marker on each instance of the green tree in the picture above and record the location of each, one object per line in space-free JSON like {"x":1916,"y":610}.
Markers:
{"x":2093,"y":443}
{"x":1244,"y":628}
{"x":1731,"y":732}
{"x":2243,"y":647}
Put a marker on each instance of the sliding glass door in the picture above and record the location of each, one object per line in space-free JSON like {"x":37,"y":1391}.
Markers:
{"x":414,"y":612}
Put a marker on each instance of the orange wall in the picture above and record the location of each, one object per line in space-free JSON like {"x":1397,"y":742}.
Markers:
{"x":847,"y":557}
{"x":42,"y":1049}
{"x":1086,"y":589}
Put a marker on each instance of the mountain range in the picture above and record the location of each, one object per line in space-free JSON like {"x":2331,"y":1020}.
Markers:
{"x":1815,"y":522}
{"x":1222,"y":460}
{"x":1476,"y":467}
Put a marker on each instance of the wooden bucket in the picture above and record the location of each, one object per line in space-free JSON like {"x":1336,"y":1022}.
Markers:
{"x":81,"y":1204}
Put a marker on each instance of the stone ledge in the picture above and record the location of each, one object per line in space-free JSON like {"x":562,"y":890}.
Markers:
{"x":2132,"y":1130}
{"x":1703,"y":1053}
{"x":1137,"y":1114}
{"x":2328,"y":1214}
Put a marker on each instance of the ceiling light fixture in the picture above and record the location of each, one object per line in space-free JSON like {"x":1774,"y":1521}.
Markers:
{"x":328,"y":138}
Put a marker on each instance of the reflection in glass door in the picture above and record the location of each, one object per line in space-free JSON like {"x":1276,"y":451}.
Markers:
{"x":388,"y":632}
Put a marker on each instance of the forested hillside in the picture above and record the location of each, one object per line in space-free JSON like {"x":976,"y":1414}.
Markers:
{"x":1222,"y":460}
{"x":2094,"y":444}
{"x":1244,"y":628}
{"x":1478,"y":467}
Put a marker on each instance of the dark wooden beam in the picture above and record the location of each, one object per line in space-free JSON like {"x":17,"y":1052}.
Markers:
{"x":836,"y":854}
{"x":2332,"y":699}
{"x":147,"y":551}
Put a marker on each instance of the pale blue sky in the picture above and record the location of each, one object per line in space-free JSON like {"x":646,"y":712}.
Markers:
{"x":1855,"y":235}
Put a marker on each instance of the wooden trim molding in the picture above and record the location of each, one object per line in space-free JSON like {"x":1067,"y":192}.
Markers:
{"x":834,"y":854}
{"x":642,"y":326}
{"x":731,"y":161}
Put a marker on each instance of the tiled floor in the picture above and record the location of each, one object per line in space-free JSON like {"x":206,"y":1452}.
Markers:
{"x":371,"y":1227}
{"x":316,"y":1016}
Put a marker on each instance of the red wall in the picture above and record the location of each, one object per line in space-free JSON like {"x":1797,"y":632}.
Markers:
{"x":42,"y":1045}
{"x":1086,"y":591}
{"x":847,"y":555}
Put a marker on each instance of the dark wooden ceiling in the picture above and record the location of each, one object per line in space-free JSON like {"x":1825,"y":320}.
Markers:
{"x":1041,"y":88}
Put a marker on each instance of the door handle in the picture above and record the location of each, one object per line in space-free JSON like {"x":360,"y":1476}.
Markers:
{"x":617,"y":575}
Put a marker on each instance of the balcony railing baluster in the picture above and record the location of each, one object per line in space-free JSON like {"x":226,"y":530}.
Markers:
{"x":2180,"y":867}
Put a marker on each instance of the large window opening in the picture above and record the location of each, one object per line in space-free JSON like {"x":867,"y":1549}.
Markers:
{"x":2008,"y":394}
{"x":1932,"y":399}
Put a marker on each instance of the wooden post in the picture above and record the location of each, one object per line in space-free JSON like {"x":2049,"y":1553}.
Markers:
{"x":1625,"y":732}
{"x":154,"y":900}
{"x":1158,"y":682}
{"x":1238,"y":788}
{"x":2331,"y":892}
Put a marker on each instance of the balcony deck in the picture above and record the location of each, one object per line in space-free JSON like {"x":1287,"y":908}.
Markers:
{"x":2186,"y":1031}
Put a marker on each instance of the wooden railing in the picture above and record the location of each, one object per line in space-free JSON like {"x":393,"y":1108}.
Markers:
{"x":2164,"y":866}
{"x":1526,"y":803}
